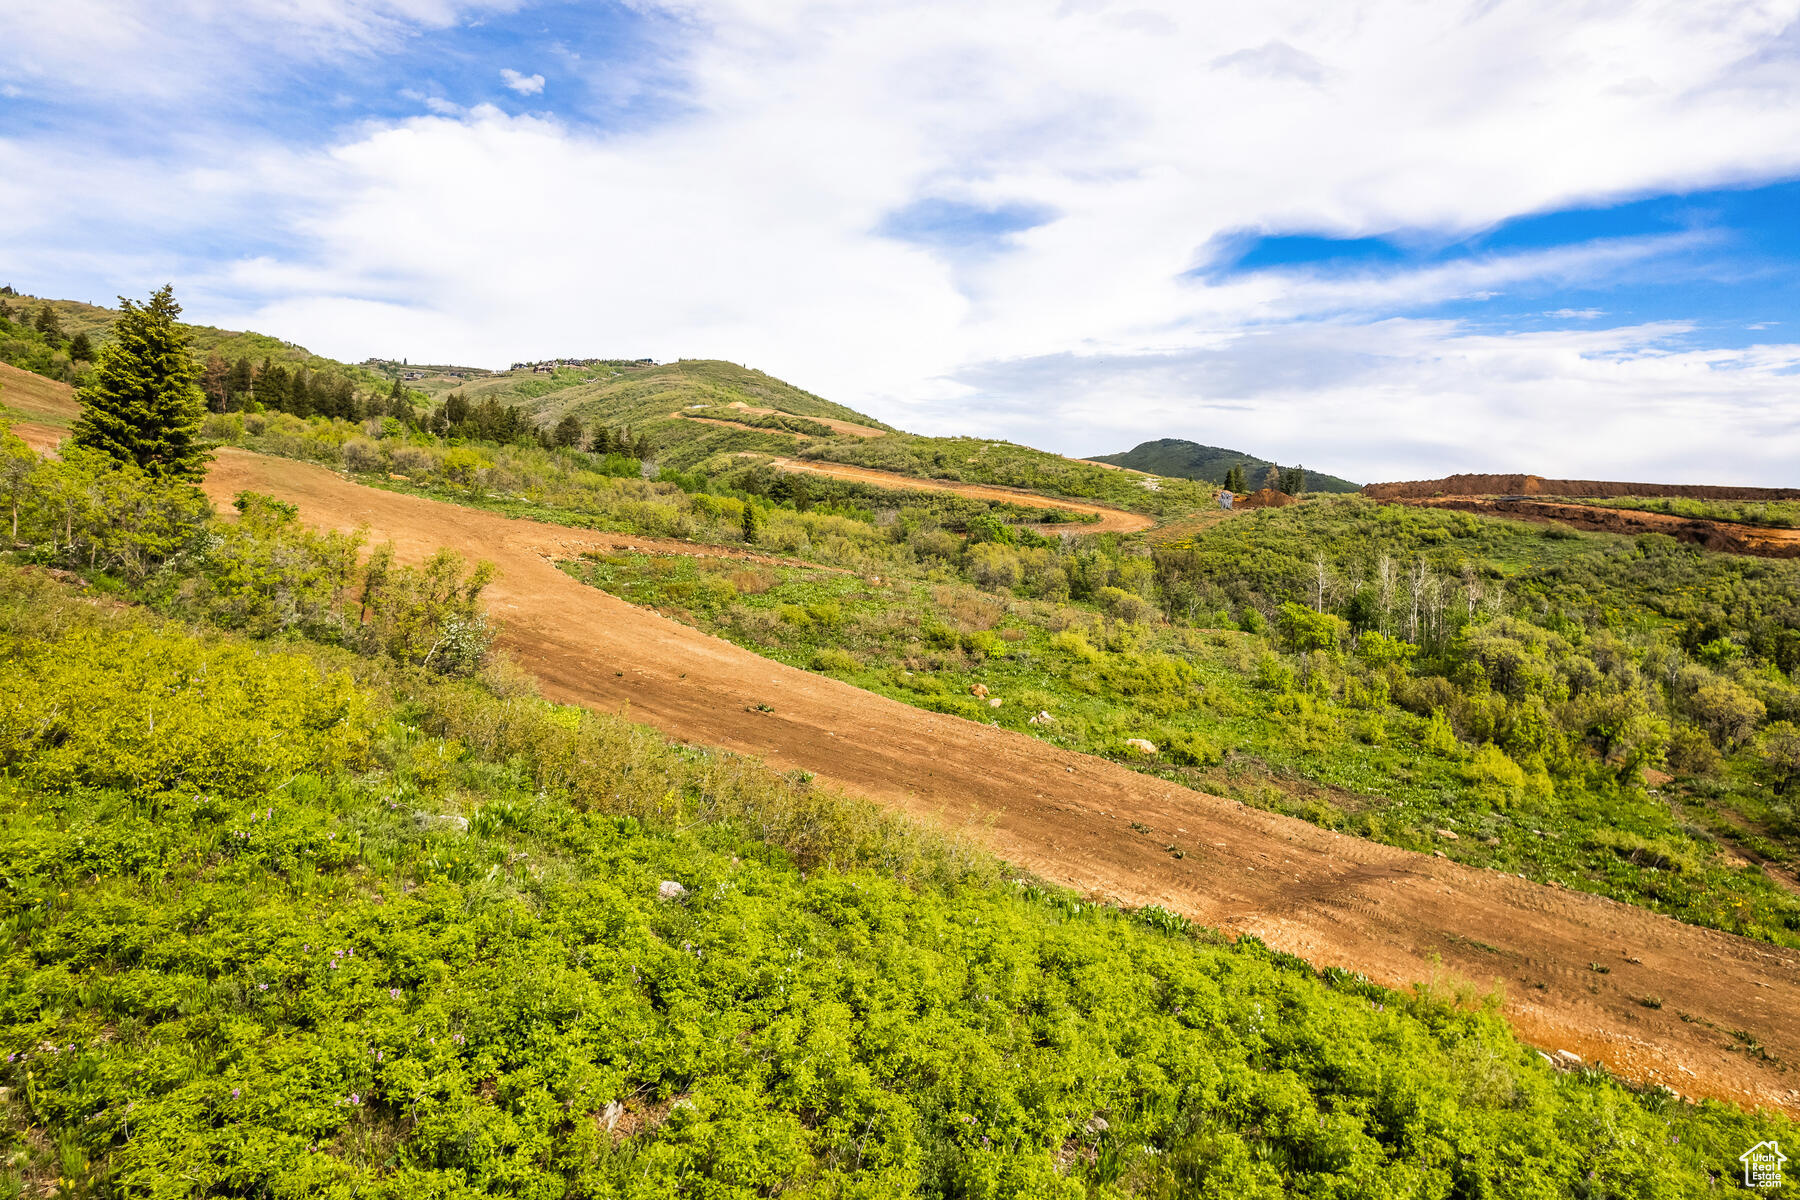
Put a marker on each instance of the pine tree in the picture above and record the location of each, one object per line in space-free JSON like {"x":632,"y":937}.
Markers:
{"x":752,"y":523}
{"x":47,"y":324}
{"x":237,"y":384}
{"x":144,"y":406}
{"x":568,"y":431}
{"x":1234,"y":479}
{"x":81,"y":349}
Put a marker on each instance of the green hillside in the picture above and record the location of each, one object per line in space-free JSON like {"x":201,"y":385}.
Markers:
{"x":1191,"y":460}
{"x":97,"y":322}
{"x":283,"y":920}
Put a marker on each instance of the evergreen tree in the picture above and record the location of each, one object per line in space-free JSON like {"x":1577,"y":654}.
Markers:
{"x":568,"y":431}
{"x":299,"y":397}
{"x":752,"y":523}
{"x":270,"y":386}
{"x":47,"y":324}
{"x":1234,"y":479}
{"x":144,"y":406}
{"x":81,"y":349}
{"x":237,"y":384}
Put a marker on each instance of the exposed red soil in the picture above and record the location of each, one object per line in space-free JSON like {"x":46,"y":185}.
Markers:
{"x":1727,"y":537}
{"x":1397,"y":916}
{"x":1112,"y":520}
{"x":1266,"y":498}
{"x":1587,"y":489}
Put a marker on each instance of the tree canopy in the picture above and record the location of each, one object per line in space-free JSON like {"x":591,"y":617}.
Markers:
{"x":144,"y":405}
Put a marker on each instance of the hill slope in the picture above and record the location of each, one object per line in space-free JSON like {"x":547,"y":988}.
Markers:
{"x":1191,"y":460}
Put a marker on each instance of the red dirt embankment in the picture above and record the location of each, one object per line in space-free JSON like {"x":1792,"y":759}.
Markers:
{"x":1587,"y":489}
{"x":1726,"y":537}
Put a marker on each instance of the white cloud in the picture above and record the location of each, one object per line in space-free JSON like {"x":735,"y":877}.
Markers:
{"x":745,"y":225}
{"x":525,"y":85}
{"x":1576,"y":314}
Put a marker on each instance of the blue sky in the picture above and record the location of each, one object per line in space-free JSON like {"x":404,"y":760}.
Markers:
{"x":1384,"y":240}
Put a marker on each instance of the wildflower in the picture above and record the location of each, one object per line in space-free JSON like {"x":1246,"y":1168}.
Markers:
{"x":262,"y":987}
{"x":393,"y":993}
{"x":355,"y":1098}
{"x":332,"y":837}
{"x":334,"y":964}
{"x":378,"y":1056}
{"x":234,"y":1093}
{"x":459,"y":1039}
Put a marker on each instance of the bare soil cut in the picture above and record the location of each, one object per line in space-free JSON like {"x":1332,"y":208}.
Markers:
{"x":1112,"y":520}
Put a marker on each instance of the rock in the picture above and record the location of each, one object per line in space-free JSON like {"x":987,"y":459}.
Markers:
{"x":1568,"y":1058}
{"x":1439,"y":854}
{"x":1446,"y":835}
{"x":1140,"y":745}
{"x":668,"y":889}
{"x":994,"y":703}
{"x":978,"y":689}
{"x":1043,"y":718}
{"x":1098,"y":1125}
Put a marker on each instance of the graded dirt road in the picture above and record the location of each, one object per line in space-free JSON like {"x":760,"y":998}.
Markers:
{"x":1726,"y":537}
{"x":1111,"y":520}
{"x":1398,"y":917}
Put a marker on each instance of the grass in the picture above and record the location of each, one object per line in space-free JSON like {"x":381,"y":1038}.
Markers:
{"x":414,"y":940}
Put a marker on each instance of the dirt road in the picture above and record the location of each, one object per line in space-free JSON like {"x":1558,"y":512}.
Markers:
{"x":1112,"y":520}
{"x":1726,"y":537}
{"x":849,"y":428}
{"x":1334,"y":900}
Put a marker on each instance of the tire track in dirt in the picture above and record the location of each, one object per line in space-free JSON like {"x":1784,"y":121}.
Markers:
{"x":1396,"y":916}
{"x":1111,"y":520}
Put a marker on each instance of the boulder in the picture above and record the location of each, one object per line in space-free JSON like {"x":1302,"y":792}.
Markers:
{"x":1043,"y":718}
{"x":668,"y":889}
{"x":1140,"y":745}
{"x":994,"y":703}
{"x":978,"y":689}
{"x":1446,"y":835}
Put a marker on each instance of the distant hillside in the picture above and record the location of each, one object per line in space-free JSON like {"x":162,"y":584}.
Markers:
{"x":75,"y":316}
{"x":1191,"y":460}
{"x":651,"y":399}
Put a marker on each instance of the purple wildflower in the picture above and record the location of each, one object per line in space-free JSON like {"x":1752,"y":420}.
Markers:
{"x":234,"y":1093}
{"x":393,"y":993}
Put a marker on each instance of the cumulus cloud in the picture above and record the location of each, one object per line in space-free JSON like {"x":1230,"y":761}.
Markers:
{"x":525,"y":85}
{"x":988,"y":217}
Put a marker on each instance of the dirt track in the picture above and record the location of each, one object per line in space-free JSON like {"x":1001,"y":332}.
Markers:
{"x":1335,"y":900}
{"x":1112,"y":520}
{"x":1727,"y":537}
{"x":831,"y":423}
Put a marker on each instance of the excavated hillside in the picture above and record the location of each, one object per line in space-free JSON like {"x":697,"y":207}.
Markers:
{"x":1585,"y":489}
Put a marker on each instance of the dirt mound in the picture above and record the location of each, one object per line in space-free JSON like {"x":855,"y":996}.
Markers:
{"x":1726,"y":537}
{"x":1267,"y":498}
{"x":1587,"y":489}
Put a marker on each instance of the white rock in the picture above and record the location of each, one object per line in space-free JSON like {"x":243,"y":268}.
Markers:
{"x":668,"y":889}
{"x":1141,"y":745}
